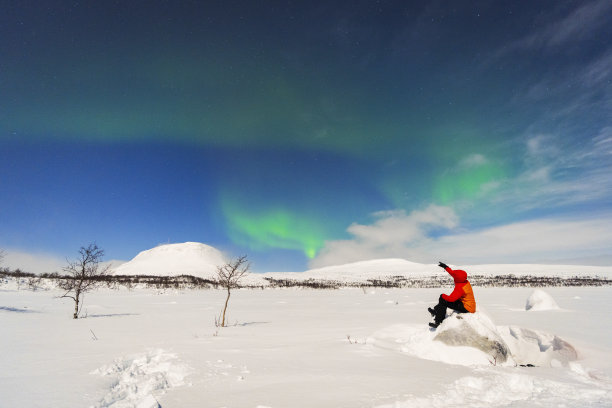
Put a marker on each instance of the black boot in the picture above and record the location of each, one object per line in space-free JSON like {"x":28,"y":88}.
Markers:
{"x":434,"y":325}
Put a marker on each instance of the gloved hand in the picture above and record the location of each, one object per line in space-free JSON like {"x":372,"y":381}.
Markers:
{"x":442,"y":265}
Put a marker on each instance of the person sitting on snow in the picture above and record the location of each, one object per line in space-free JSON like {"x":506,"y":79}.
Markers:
{"x":460,"y":300}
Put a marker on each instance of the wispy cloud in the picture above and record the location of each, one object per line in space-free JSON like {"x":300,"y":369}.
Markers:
{"x":549,"y":240}
{"x":558,"y":173}
{"x":473,"y":160}
{"x":556,"y":176}
{"x":392,"y":234}
{"x":572,"y":28}
{"x":525,"y":242}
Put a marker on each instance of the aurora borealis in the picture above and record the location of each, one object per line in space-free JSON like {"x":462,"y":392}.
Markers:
{"x":284,"y":130}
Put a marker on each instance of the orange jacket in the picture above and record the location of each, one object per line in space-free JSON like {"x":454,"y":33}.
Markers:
{"x":463,"y":290}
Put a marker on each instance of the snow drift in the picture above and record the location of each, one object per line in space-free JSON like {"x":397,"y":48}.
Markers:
{"x":139,"y":377}
{"x":540,"y":300}
{"x":189,"y":258}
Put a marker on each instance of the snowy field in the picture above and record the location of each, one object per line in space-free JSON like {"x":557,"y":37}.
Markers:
{"x":297,"y":348}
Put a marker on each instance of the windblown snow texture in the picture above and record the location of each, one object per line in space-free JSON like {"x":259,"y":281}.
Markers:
{"x":139,"y":377}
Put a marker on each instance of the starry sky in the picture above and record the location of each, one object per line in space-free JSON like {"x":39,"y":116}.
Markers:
{"x":307,"y":134}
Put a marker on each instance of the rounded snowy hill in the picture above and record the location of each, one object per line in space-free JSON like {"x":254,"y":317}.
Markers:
{"x":363,"y":270}
{"x":386,"y":269}
{"x":189,"y":258}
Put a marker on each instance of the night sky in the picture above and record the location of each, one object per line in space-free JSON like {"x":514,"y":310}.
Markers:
{"x":307,"y":134}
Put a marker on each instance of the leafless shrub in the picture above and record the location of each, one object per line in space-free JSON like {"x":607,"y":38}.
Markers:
{"x":83,"y":275}
{"x":229,"y":276}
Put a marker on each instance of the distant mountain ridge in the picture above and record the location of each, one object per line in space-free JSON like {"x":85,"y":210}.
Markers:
{"x":201,"y":260}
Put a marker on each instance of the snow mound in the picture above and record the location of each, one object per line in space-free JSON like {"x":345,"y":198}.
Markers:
{"x":138,"y":377}
{"x":472,"y":339}
{"x":189,"y":258}
{"x":540,"y":300}
{"x":474,"y":330}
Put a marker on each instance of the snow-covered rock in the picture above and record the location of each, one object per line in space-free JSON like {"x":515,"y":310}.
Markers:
{"x":472,"y":339}
{"x":189,"y":258}
{"x":509,"y":345}
{"x":474,"y":330}
{"x":540,"y":300}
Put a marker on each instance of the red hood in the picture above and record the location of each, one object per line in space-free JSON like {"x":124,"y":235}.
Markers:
{"x":458,"y":275}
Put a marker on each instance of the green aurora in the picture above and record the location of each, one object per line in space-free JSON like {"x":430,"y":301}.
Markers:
{"x":268,"y":127}
{"x":274,"y":228}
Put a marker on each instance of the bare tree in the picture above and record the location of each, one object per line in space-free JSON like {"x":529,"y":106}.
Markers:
{"x":229,"y":276}
{"x":84,"y":275}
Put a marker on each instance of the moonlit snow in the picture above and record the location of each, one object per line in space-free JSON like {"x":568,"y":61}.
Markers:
{"x":302,"y":348}
{"x":352,"y":347}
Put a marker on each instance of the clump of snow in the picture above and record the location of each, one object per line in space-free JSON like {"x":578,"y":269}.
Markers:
{"x":540,"y":300}
{"x":138,"y":377}
{"x":189,"y":258}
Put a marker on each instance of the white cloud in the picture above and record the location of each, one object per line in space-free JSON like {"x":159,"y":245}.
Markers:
{"x":550,"y":240}
{"x":532,"y":241}
{"x":393,"y":234}
{"x":37,"y":262}
{"x":577,"y":26}
{"x":557,"y":173}
{"x":473,"y":160}
{"x":33,"y":262}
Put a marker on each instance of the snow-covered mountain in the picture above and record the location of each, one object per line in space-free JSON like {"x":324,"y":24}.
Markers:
{"x":388,"y":268}
{"x":363,"y":270}
{"x":201,"y":260}
{"x":189,"y":258}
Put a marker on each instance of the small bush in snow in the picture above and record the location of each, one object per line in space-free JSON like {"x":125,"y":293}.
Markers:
{"x":229,"y":276}
{"x":83,"y":275}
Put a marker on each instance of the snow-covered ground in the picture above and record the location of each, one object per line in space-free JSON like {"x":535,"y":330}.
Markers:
{"x":300,"y":348}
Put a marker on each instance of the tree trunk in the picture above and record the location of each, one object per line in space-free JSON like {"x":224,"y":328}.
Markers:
{"x":76,"y":304}
{"x":225,"y":308}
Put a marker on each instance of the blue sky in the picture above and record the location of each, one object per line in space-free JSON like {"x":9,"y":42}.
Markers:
{"x":308,"y":135}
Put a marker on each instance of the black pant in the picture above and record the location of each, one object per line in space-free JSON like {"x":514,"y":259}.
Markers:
{"x":442,"y":305}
